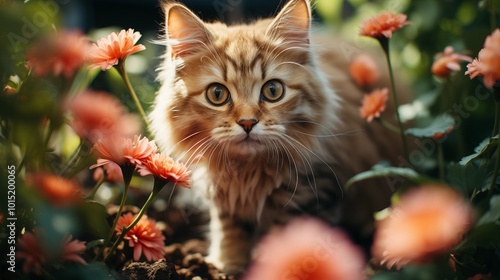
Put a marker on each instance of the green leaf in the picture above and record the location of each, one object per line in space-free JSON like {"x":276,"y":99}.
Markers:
{"x":482,"y":235}
{"x":383,"y":171}
{"x":484,"y":146}
{"x":493,"y":215}
{"x":466,"y":178}
{"x":93,"y":216}
{"x":441,"y":124}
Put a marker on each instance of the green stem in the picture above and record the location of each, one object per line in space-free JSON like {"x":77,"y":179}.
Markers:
{"x":384,"y":42}
{"x":493,"y":16}
{"x":495,"y":170}
{"x":134,"y":222}
{"x":388,"y":125}
{"x":97,"y":186}
{"x":127,"y":177}
{"x":73,"y":158}
{"x":496,"y":124}
{"x":495,"y":132}
{"x":441,"y":161}
{"x":121,"y":70}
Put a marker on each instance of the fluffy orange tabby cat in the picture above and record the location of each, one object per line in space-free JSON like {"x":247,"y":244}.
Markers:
{"x":267,"y":117}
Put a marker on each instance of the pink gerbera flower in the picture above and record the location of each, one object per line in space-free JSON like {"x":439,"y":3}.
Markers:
{"x":72,"y":249}
{"x":307,"y":249}
{"x":144,"y":237}
{"x":123,"y":150}
{"x":166,"y":169}
{"x":364,"y":70}
{"x":109,"y":51}
{"x":472,"y":69}
{"x":448,"y":61}
{"x":383,"y":25}
{"x":99,"y":115}
{"x":374,"y":104}
{"x":112,"y":171}
{"x":57,"y":190}
{"x":59,"y":54}
{"x":31,"y":253}
{"x":425,"y":222}
{"x":489,"y":59}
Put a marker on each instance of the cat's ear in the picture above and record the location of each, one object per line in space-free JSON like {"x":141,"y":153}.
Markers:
{"x":292,"y":23}
{"x":185,"y":32}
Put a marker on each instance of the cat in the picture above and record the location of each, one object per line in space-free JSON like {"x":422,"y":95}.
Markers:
{"x":267,"y":117}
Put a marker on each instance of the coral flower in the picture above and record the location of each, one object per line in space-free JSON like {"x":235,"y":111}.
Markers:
{"x":71,"y":250}
{"x":448,"y":61}
{"x":374,"y":104}
{"x":489,"y":59}
{"x":425,"y":222}
{"x":30,"y":251}
{"x":60,"y":54}
{"x":364,"y":71}
{"x":123,"y":150}
{"x":109,"y":51}
{"x":111,"y":170}
{"x":166,"y":169}
{"x":99,"y":115}
{"x":144,"y":237}
{"x":472,"y":69}
{"x":307,"y":249}
{"x":58,"y":190}
{"x":383,"y":25}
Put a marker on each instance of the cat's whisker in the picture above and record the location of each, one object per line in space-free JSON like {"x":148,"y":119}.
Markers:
{"x":186,"y":138}
{"x":195,"y":146}
{"x":307,"y":164}
{"x":293,"y":63}
{"x":315,"y":123}
{"x":291,"y":162}
{"x":318,"y":157}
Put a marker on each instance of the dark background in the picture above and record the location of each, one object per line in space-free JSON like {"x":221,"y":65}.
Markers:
{"x":146,"y":15}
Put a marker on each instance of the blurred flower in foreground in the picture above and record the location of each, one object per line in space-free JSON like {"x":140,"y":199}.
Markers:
{"x":448,"y":61}
{"x":489,"y":59}
{"x":144,"y":237}
{"x":383,"y":25}
{"x":30,"y":250}
{"x":57,"y":190}
{"x":71,"y":250}
{"x":99,"y":115}
{"x":164,"y":168}
{"x":59,"y":54}
{"x":425,"y":222}
{"x":364,"y":71}
{"x":307,"y":249}
{"x":374,"y":104}
{"x":109,"y":51}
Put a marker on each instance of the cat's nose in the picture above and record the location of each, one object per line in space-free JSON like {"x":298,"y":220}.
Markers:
{"x":247,"y":124}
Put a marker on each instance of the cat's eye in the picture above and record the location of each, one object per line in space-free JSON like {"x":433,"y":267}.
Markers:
{"x":217,"y":94}
{"x":272,"y":91}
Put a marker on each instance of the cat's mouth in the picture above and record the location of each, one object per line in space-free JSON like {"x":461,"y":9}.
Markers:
{"x":248,"y":144}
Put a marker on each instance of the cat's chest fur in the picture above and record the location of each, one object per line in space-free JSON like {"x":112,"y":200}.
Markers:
{"x":240,"y":187}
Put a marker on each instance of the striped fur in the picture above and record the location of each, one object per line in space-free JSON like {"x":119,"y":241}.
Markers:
{"x":302,"y":148}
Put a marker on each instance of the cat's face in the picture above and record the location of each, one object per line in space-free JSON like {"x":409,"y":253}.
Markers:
{"x":243,"y":90}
